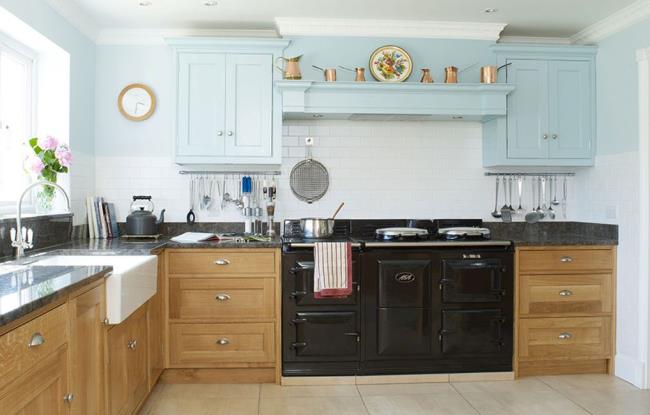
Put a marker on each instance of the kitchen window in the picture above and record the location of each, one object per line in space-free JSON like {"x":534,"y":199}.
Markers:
{"x":16,"y":120}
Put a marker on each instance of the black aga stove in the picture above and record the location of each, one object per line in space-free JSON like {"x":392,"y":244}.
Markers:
{"x":429,"y":297}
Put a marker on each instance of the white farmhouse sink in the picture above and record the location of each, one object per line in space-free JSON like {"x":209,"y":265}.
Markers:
{"x":131,"y":284}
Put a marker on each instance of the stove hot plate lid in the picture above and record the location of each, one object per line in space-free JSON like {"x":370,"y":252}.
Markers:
{"x":462,"y":232}
{"x":402,"y":232}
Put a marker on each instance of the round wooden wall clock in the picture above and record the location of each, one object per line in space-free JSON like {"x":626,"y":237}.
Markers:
{"x":136,"y":102}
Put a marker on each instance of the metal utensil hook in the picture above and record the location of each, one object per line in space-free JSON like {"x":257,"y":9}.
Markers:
{"x":309,"y":144}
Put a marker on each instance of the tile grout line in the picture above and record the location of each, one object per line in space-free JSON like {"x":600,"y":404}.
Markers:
{"x":564,"y":395}
{"x":363,"y":401}
{"x":464,"y":398}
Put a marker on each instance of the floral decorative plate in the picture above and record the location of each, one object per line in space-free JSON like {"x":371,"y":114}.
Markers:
{"x":390,"y":64}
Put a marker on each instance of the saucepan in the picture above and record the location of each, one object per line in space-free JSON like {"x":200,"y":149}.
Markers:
{"x":318,"y":227}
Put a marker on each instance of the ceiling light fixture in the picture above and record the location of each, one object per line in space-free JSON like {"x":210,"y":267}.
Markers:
{"x":491,"y":10}
{"x":210,"y":3}
{"x":145,"y":3}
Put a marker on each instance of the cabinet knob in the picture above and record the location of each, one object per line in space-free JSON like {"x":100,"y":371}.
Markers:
{"x":106,"y":322}
{"x":223,"y":342}
{"x":219,"y":133}
{"x":566,"y":259}
{"x":36,"y":340}
{"x":230,"y":133}
{"x":132,"y":344}
{"x":554,"y":136}
{"x":223,"y":297}
{"x":545,"y":136}
{"x":68,"y":398}
{"x":566,"y":293}
{"x":565,"y":336}
{"x":222,"y":262}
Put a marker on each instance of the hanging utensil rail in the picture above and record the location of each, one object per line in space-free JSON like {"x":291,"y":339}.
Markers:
{"x":247,"y":173}
{"x":530,"y":174}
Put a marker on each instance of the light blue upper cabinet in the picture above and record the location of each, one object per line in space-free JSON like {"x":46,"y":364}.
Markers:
{"x":249,"y":98}
{"x":527,"y":109}
{"x":571,"y":115}
{"x":227,"y":111}
{"x":201,"y":104}
{"x":551,"y":112}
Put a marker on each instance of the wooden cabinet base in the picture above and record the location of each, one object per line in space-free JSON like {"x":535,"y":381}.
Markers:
{"x":230,"y":375}
{"x":563,"y":367}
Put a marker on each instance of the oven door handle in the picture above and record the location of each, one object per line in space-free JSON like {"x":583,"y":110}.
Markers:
{"x":296,"y":294}
{"x":297,"y":345}
{"x":298,"y":321}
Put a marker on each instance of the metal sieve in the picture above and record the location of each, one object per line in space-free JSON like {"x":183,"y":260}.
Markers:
{"x":309,"y":179}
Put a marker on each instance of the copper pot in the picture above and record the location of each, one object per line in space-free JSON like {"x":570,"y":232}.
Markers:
{"x":489,"y":74}
{"x":359,"y":73}
{"x":451,"y":75}
{"x":328,"y":73}
{"x":426,"y":76}
{"x":291,"y":69}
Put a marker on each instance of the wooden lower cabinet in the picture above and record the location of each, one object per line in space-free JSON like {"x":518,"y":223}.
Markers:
{"x":41,"y":390}
{"x":127,"y":364}
{"x":223,"y":315}
{"x":155,"y":329}
{"x":87,"y":340}
{"x":565,"y":310}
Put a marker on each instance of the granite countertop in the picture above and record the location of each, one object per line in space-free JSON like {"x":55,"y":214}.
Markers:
{"x":554,"y":233}
{"x":25,"y":288}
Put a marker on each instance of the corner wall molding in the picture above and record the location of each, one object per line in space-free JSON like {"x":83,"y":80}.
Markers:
{"x":74,"y":15}
{"x":290,"y":26}
{"x":136,"y":37}
{"x":614,"y":23}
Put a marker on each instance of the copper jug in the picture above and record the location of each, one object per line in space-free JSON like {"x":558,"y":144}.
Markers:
{"x":426,"y":76}
{"x":291,"y":68}
{"x":451,"y":75}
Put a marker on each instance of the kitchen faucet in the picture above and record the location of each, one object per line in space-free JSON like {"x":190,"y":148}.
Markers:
{"x":23,"y":239}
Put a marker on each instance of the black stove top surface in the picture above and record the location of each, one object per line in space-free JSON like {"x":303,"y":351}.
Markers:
{"x":364,"y":230}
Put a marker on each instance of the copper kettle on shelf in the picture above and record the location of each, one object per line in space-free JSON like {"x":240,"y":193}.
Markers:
{"x":291,"y":69}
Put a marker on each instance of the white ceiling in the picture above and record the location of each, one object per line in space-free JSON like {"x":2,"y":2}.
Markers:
{"x":542,"y":18}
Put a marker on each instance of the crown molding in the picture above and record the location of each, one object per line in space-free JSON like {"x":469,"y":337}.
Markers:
{"x":614,"y":23}
{"x":536,"y":40}
{"x":138,"y":37}
{"x":74,"y":15}
{"x":290,"y":26}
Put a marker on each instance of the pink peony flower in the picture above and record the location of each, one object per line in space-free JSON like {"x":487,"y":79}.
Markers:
{"x":48,"y":143}
{"x":64,"y":155}
{"x":35,"y":165}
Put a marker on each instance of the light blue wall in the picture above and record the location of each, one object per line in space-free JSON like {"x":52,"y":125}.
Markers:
{"x":50,"y":24}
{"x":617,"y":86}
{"x":117,"y":67}
{"x":435,"y":54}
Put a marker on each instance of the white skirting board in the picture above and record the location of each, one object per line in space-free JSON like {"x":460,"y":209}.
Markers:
{"x":631,"y":370}
{"x":385,"y":379}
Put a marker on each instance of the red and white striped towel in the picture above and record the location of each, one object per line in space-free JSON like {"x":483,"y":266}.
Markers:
{"x":332,"y":269}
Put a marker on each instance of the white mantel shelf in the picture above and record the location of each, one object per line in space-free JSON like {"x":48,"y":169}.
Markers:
{"x":408,"y":100}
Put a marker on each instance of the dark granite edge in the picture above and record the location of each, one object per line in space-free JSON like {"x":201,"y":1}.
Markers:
{"x":36,"y":305}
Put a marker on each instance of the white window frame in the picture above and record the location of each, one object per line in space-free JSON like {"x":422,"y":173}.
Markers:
{"x":28,"y":56}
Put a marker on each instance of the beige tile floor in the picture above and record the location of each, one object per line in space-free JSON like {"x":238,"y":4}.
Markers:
{"x":548,"y":395}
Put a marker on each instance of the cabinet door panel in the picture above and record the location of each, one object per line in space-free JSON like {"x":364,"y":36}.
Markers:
{"x":249,"y":102}
{"x":528,"y":109}
{"x":118,"y":385}
{"x":87,"y":343}
{"x":570,"y":122}
{"x":137,"y":370}
{"x":201,"y":104}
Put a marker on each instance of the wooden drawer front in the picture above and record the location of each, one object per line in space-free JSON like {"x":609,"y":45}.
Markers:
{"x":564,"y":338}
{"x":222,"y":298}
{"x":567,"y":294}
{"x":560,"y":260}
{"x":199,"y":345}
{"x":16,"y":354}
{"x":222,"y":262}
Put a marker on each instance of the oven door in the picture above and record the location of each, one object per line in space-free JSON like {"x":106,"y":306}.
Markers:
{"x":472,"y":280}
{"x":298,"y":282}
{"x":473,"y":332}
{"x":322,"y":336}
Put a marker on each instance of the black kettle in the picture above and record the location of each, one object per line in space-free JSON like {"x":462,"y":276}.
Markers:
{"x":141,"y":221}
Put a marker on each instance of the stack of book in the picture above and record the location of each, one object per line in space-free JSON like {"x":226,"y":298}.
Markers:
{"x":102,"y":220}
